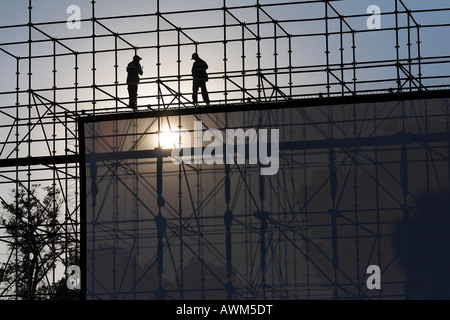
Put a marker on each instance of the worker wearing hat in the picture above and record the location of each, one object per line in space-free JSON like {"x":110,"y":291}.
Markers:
{"x":200,"y":77}
{"x":134,"y":69}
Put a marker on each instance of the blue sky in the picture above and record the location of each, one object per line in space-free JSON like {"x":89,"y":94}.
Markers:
{"x":307,"y":51}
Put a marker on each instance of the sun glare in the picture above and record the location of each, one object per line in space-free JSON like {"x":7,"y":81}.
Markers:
{"x":168,"y":139}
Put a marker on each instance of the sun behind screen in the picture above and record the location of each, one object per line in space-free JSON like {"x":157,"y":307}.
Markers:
{"x":168,"y":139}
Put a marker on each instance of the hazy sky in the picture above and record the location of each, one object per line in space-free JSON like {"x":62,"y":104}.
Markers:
{"x":307,"y":51}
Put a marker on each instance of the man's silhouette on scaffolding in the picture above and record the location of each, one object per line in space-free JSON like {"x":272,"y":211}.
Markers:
{"x":200,"y":77}
{"x":134,"y":69}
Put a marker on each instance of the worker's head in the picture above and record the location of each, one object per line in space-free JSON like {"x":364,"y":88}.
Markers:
{"x":194,"y":56}
{"x":137,"y":58}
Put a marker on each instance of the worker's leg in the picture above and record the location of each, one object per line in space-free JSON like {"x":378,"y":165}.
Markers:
{"x":205,"y":93}
{"x":132,"y":93}
{"x":195,"y":86}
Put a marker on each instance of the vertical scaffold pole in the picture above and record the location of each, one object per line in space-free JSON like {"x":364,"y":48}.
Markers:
{"x":397,"y":47}
{"x":27,"y":258}
{"x":334,"y":225}
{"x":258,"y":50}
{"x":158,"y":53}
{"x":16,"y":258}
{"x":225,"y":60}
{"x":161,"y":224}
{"x":93,"y":58}
{"x":228,"y":220}
{"x":327,"y":48}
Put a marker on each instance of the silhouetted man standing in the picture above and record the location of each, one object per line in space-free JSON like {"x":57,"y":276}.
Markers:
{"x":134,"y":69}
{"x":200,"y":77}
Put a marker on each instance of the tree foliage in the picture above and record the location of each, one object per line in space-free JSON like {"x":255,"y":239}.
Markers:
{"x":37,"y":243}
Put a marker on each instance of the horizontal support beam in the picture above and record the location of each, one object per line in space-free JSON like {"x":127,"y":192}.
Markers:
{"x":398,"y":139}
{"x":344,"y":143}
{"x":295,"y":103}
{"x":35,"y":161}
{"x":124,"y":155}
{"x":392,"y":140}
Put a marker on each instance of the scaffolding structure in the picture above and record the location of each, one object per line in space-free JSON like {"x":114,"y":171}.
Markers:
{"x":276,"y":59}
